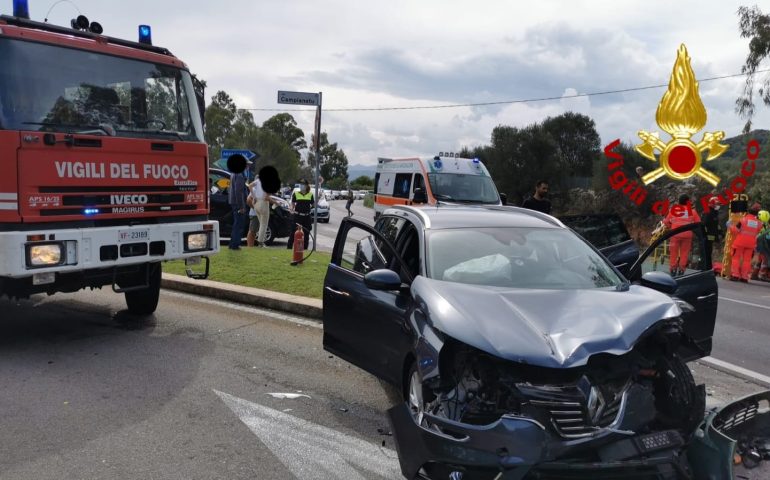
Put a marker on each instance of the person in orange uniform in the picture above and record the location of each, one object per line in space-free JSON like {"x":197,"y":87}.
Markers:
{"x":745,"y":233}
{"x":680,"y":245}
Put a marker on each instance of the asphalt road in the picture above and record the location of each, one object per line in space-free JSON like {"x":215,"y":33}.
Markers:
{"x":88,"y":393}
{"x":85,"y":393}
{"x":742,"y":334}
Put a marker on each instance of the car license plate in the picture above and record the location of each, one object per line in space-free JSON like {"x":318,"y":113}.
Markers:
{"x":133,"y":235}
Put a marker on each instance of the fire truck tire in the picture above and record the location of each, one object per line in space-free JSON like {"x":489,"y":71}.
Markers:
{"x":144,"y":302}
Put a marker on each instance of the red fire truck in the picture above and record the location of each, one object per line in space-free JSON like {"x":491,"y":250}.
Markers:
{"x":103,"y":166}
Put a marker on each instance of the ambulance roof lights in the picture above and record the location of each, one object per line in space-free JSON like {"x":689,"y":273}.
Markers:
{"x":21,"y":9}
{"x":476,"y":160}
{"x":145,"y":34}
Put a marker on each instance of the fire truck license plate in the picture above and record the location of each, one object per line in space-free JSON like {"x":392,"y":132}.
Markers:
{"x":133,"y":235}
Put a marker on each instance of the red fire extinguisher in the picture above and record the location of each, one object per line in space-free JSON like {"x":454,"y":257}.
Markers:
{"x":299,"y":246}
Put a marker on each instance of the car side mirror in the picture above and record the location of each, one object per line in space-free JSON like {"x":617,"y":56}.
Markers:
{"x":382,"y":279}
{"x":660,"y":281}
{"x":419,"y":196}
{"x":504,"y":199}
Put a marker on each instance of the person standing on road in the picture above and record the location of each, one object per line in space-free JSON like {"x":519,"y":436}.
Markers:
{"x":745,"y":232}
{"x":763,"y":246}
{"x":302,"y":204}
{"x":236,"y":196}
{"x":538,"y":201}
{"x":349,"y":203}
{"x":680,"y":244}
{"x":712,"y":225}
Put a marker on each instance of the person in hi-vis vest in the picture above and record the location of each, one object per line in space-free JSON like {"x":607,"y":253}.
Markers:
{"x":745,"y":232}
{"x":302,"y":203}
{"x":681,"y":244}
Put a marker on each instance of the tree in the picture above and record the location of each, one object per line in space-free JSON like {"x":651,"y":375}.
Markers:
{"x":519,"y":157}
{"x":220,"y":116}
{"x":363,"y":182}
{"x":285,"y":127}
{"x":754,"y":25}
{"x":577,"y":141}
{"x":273,"y":151}
{"x":334,"y":162}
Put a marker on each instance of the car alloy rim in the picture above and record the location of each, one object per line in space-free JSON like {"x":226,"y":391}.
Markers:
{"x":416,"y":404}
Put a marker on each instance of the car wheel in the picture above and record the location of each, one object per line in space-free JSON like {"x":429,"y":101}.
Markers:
{"x":269,"y":234}
{"x":677,"y":393}
{"x":415,"y":399}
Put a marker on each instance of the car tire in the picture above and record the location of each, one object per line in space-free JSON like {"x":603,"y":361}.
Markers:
{"x":679,"y":401}
{"x":270,"y":233}
{"x":145,"y":301}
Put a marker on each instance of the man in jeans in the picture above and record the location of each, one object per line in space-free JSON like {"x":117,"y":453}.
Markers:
{"x":237,"y":199}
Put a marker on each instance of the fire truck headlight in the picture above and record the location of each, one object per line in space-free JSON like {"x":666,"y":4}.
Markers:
{"x":197,"y":241}
{"x":45,"y":255}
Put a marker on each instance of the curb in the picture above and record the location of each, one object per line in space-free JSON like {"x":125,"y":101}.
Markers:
{"x":736,"y":371}
{"x":307,"y":307}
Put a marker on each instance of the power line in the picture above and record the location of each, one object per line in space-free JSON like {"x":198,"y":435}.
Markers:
{"x":504,"y":102}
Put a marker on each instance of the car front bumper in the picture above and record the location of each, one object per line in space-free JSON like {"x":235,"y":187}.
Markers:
{"x":514,"y":448}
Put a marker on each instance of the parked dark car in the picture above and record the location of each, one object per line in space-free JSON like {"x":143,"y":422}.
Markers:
{"x":521,"y":351}
{"x":608,"y":233}
{"x":219,"y":183}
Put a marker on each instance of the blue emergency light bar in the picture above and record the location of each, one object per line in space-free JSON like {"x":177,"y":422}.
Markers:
{"x":145,"y":34}
{"x":21,"y":9}
{"x":90,"y":211}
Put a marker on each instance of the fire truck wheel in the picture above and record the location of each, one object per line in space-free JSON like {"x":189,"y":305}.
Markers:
{"x":144,"y":302}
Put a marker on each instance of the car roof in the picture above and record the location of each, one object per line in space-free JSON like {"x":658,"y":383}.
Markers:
{"x":476,"y":216}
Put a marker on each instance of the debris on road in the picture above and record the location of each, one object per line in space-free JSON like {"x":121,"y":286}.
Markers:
{"x":290,"y":396}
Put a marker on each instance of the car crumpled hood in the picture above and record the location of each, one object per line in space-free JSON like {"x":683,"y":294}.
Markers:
{"x":549,"y":328}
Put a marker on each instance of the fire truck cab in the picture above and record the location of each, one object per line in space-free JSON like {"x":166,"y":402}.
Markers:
{"x":103,"y":165}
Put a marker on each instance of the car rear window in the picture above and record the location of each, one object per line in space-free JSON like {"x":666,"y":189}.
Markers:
{"x":600,"y":230}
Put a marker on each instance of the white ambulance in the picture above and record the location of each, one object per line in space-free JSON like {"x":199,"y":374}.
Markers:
{"x":445,"y":178}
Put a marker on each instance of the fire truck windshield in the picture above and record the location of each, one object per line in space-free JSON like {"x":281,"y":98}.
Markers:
{"x":55,"y":89}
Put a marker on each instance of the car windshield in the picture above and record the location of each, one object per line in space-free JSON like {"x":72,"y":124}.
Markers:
{"x":55,"y":89}
{"x":463,"y":188}
{"x":544,"y":258}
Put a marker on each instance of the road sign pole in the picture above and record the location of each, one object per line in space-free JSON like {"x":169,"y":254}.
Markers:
{"x":317,"y":167}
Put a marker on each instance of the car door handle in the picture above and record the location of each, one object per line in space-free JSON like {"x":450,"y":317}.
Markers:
{"x":337,"y":292}
{"x":706,"y":297}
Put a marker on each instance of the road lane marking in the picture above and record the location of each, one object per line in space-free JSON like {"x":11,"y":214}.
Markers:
{"x":745,"y":303}
{"x":246,"y":309}
{"x":736,"y":370}
{"x":311,"y":451}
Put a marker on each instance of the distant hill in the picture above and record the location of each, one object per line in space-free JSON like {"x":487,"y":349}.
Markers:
{"x":355,"y":171}
{"x":730,"y":161}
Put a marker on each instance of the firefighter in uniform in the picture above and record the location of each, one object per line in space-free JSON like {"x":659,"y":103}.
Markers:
{"x":745,"y":232}
{"x":302,"y":204}
{"x":680,"y":245}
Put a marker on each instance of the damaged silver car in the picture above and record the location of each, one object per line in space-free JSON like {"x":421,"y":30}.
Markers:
{"x":521,"y":352}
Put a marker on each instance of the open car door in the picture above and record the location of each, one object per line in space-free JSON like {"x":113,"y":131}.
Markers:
{"x":695,"y":283}
{"x":362,"y":325}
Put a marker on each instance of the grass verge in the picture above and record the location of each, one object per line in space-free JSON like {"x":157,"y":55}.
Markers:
{"x":266,"y":268}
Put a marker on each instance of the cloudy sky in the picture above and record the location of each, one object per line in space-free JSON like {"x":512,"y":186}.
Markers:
{"x":402,"y":53}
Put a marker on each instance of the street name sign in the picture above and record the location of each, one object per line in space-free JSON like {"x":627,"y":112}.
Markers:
{"x":298,"y":98}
